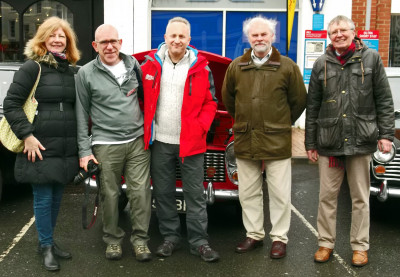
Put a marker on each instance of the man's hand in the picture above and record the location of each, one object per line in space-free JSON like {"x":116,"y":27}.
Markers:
{"x":33,"y":147}
{"x":384,"y":145}
{"x":312,"y":155}
{"x":83,"y":162}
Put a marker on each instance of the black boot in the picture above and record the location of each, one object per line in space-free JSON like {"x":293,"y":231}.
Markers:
{"x":58,"y":252}
{"x":49,"y":260}
{"x":61,"y":253}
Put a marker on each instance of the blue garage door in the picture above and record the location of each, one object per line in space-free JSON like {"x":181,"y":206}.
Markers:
{"x":207,"y":31}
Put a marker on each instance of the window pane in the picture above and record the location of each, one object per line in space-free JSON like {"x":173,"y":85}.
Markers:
{"x":9,"y":33}
{"x":206,"y":29}
{"x":40,"y":11}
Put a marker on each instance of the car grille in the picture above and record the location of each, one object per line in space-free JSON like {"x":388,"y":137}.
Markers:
{"x":214,"y":159}
{"x":392,"y":169}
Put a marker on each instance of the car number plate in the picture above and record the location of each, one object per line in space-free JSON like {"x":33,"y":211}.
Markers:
{"x":180,"y":205}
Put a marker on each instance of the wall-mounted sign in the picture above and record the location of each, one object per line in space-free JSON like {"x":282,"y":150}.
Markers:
{"x":317,"y":5}
{"x":318,"y":21}
{"x":314,"y":46}
{"x":370,"y":38}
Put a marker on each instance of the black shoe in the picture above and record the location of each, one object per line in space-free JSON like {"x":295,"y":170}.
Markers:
{"x":166,"y":249}
{"x":61,"y":253}
{"x":49,"y":260}
{"x":206,"y":253}
{"x":57,"y":252}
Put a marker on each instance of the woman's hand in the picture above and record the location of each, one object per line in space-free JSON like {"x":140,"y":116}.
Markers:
{"x":33,"y":147}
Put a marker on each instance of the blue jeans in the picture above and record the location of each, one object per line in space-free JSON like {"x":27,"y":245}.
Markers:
{"x":46,"y":204}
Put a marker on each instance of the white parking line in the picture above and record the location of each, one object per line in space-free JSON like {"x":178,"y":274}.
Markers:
{"x":17,"y":238}
{"x":335,"y":254}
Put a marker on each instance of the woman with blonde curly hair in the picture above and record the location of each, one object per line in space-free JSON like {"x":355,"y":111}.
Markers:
{"x":49,"y":160}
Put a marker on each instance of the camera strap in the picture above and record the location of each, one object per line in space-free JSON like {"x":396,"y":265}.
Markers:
{"x":85,"y":225}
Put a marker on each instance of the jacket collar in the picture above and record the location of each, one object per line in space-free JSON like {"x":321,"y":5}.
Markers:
{"x":47,"y":59}
{"x":274,"y":60}
{"x":162,"y":50}
{"x":360,"y":47}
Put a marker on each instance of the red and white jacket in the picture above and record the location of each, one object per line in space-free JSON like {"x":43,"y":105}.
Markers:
{"x":198,"y":107}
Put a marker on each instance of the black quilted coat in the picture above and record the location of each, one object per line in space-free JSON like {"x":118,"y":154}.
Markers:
{"x":54,"y":125}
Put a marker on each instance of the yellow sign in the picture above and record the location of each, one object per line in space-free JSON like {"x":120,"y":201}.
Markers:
{"x":291,"y":4}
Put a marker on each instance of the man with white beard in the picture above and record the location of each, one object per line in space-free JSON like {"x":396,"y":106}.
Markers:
{"x":265,"y":94}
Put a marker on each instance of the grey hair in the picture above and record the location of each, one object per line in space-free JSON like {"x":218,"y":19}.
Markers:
{"x":338,"y":19}
{"x":270,"y":23}
{"x":179,"y":19}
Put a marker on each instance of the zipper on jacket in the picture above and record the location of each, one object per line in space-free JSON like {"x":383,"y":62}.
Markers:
{"x":190,"y":85}
{"x":154,"y":80}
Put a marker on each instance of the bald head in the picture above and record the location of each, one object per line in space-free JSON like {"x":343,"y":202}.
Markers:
{"x":105,"y":28}
{"x":107,"y":43}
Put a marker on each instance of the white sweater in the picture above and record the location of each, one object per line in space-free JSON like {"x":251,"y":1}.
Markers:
{"x":169,"y":104}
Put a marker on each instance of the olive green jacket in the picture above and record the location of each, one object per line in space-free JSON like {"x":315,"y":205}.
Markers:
{"x":264,"y":101}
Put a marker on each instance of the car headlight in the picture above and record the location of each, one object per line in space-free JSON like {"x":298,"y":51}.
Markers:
{"x":383,"y":158}
{"x":230,"y":155}
{"x":230,"y":163}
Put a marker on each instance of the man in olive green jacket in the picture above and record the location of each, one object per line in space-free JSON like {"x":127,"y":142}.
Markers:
{"x":265,"y":94}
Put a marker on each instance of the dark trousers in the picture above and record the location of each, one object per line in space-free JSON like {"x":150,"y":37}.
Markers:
{"x":163,"y":161}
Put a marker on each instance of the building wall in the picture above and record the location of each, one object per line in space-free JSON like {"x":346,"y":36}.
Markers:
{"x":380,"y":20}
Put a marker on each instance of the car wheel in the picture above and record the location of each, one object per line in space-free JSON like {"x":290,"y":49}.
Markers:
{"x":122,"y":201}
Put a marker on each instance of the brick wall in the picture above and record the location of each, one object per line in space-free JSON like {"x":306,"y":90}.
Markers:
{"x":380,"y":20}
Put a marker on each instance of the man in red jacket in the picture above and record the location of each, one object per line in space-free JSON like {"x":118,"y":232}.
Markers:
{"x":179,"y":107}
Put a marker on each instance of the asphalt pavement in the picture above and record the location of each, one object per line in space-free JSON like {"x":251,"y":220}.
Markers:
{"x":18,"y":239}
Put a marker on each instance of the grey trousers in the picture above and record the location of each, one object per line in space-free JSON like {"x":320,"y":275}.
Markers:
{"x":133,"y":162}
{"x":163,"y":159}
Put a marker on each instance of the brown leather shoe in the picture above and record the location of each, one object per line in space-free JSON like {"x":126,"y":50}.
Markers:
{"x":323,"y":255}
{"x":278,"y":250}
{"x":360,"y":258}
{"x":248,"y":244}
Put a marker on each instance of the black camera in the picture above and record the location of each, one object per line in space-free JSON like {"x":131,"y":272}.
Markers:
{"x":82,"y":175}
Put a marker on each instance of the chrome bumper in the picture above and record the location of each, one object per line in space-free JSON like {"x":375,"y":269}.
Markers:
{"x":383,"y":192}
{"x":210,"y":192}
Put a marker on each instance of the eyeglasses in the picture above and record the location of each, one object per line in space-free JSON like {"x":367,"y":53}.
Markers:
{"x":104,"y":43}
{"x":342,"y":31}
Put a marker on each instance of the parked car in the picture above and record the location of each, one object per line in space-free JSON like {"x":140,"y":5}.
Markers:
{"x":385,"y":168}
{"x":7,"y":158}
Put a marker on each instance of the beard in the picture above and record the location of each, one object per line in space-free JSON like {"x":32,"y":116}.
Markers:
{"x":262,"y":48}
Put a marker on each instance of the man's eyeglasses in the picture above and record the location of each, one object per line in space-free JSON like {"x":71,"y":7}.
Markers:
{"x":342,"y":31}
{"x":104,"y":43}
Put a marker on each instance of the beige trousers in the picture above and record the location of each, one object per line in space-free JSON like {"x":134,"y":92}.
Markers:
{"x":279,"y":180}
{"x":331,"y":178}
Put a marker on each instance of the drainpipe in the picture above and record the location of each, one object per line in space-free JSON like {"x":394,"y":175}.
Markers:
{"x":368,"y":15}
